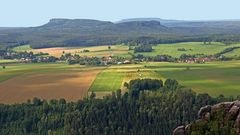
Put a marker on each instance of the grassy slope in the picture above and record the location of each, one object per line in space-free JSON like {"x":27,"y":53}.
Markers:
{"x":22,"y":48}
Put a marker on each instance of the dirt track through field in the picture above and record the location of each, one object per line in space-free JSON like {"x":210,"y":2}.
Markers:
{"x":70,"y":85}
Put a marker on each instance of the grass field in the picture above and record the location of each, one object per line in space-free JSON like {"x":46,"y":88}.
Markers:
{"x":4,"y":61}
{"x":234,"y":53}
{"x":113,"y":77}
{"x":191,"y":48}
{"x":107,"y":80}
{"x":214,"y":78}
{"x":21,"y":82}
{"x":22,"y":48}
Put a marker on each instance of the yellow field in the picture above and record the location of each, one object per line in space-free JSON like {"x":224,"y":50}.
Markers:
{"x":98,"y":51}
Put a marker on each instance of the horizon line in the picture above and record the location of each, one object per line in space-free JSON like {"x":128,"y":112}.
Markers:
{"x":186,"y":20}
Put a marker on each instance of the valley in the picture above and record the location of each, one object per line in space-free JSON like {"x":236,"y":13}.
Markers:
{"x":137,"y":76}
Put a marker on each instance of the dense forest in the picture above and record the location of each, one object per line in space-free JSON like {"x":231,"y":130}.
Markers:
{"x":143,"y":48}
{"x":158,"y":109}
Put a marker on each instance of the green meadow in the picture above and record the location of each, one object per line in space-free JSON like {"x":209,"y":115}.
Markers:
{"x":233,"y":53}
{"x":214,"y":78}
{"x":191,"y":48}
{"x":107,"y":80}
{"x":22,"y":48}
{"x":5,"y":61}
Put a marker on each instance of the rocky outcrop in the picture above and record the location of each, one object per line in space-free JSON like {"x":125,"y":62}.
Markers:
{"x":204,"y":111}
{"x":179,"y":130}
{"x":230,"y":110}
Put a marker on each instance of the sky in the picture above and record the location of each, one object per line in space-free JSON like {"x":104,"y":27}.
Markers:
{"x":25,"y":13}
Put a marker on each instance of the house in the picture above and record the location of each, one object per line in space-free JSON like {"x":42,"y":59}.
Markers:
{"x":201,"y":60}
{"x":126,"y":62}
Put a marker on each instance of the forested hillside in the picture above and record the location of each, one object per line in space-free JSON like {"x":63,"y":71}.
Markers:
{"x":85,"y":32}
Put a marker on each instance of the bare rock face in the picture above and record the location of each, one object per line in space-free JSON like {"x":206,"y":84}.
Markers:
{"x":237,"y":123}
{"x":203,"y":111}
{"x":179,"y":131}
{"x":224,"y":105}
{"x":232,"y":110}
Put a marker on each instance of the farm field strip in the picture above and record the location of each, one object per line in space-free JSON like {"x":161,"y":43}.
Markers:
{"x":6,"y":61}
{"x":191,"y":48}
{"x":14,"y":70}
{"x":113,"y":77}
{"x":116,"y":50}
{"x":71,"y":83}
{"x":107,"y":80}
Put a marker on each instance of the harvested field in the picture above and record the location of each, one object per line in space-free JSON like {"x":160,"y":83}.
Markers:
{"x":56,"y":51}
{"x":70,"y":85}
{"x":98,"y":51}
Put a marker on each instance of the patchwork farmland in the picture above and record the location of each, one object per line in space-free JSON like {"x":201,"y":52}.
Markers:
{"x":73,"y":82}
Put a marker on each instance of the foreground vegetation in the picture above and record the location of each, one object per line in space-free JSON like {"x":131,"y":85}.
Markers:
{"x":153,"y":111}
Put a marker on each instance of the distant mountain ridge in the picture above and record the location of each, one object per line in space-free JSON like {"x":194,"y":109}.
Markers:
{"x":86,"y":32}
{"x":163,"y":21}
{"x":188,"y":23}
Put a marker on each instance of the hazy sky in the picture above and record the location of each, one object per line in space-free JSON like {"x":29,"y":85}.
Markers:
{"x":38,"y":12}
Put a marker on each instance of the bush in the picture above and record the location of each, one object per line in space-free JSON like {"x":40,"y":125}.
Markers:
{"x":143,"y":48}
